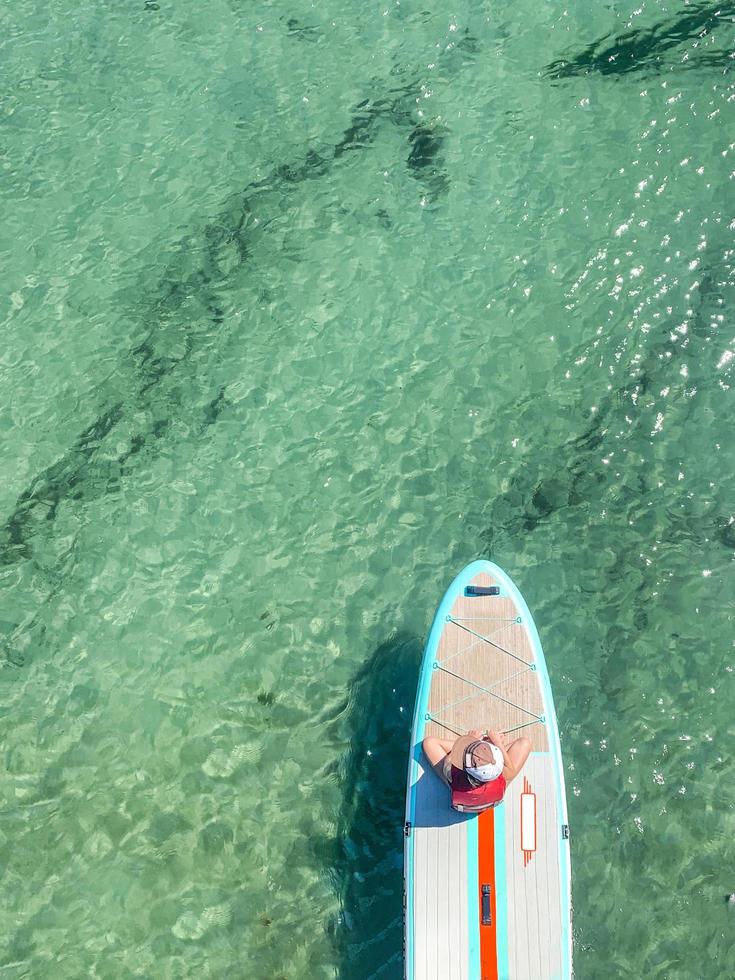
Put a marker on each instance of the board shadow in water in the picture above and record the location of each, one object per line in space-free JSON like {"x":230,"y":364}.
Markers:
{"x":369,"y":937}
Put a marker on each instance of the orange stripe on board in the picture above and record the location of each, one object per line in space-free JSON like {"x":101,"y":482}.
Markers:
{"x":486,"y":867}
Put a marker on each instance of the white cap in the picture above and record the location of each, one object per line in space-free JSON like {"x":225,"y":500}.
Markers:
{"x":489,"y":771}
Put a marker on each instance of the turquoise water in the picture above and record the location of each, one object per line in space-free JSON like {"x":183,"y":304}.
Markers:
{"x":305,"y":307}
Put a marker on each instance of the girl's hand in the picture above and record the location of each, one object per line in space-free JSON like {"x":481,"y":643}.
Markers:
{"x":497,"y":739}
{"x":476,"y":733}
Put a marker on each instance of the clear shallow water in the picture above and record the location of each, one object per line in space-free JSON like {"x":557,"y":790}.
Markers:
{"x":303,"y":309}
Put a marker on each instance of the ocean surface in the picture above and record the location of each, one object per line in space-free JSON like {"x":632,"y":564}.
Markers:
{"x":305,"y":306}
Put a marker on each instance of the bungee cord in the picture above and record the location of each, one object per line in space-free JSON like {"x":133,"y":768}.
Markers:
{"x":480,"y":638}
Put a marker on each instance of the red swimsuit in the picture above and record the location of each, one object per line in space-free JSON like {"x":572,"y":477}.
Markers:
{"x":470,"y":798}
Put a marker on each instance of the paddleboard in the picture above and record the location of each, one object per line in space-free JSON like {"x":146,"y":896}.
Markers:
{"x":487,"y":896}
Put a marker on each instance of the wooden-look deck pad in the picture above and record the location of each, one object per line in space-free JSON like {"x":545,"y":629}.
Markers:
{"x":487,"y":896}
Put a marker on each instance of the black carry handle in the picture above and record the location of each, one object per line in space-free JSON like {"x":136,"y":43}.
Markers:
{"x":487,"y":919}
{"x":475,"y":590}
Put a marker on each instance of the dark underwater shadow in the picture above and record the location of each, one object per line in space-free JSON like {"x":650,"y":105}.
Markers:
{"x":369,"y":862}
{"x":642,"y":50}
{"x":182,"y":310}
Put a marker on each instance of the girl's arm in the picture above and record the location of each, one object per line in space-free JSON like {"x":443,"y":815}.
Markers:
{"x":509,"y":769}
